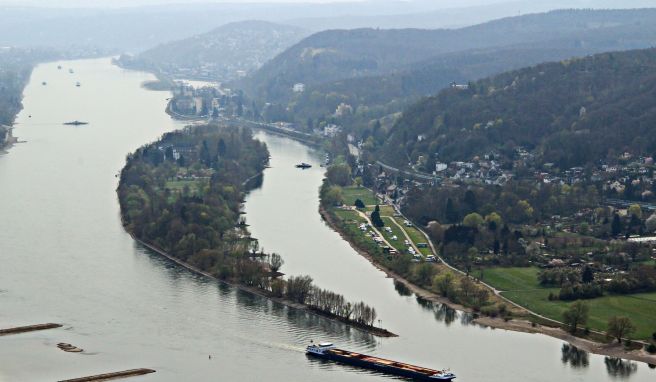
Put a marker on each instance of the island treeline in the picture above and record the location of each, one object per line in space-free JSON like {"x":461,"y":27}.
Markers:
{"x":183,"y":195}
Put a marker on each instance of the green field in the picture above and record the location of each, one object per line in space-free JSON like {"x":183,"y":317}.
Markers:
{"x":508,"y":279}
{"x":195,"y":186}
{"x":398,"y":243}
{"x":521,"y":286}
{"x":350,"y":194}
{"x":415,"y":236}
{"x":347,"y":215}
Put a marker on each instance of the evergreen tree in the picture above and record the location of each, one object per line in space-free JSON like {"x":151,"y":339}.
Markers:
{"x":588,"y":275}
{"x":450,"y":212}
{"x":221,"y":148}
{"x":376,"y":219}
{"x":616,"y":225}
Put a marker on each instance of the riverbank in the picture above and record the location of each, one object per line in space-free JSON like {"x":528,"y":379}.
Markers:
{"x":518,"y":325}
{"x":380,"y":332}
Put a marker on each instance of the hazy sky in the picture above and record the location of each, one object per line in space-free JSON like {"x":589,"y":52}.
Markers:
{"x":115,"y":3}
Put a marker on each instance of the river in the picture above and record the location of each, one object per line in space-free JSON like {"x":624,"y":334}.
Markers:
{"x":64,"y":257}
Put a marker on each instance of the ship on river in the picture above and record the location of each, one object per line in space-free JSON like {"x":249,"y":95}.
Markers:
{"x":76,"y":123}
{"x":303,"y":165}
{"x":330,"y":352}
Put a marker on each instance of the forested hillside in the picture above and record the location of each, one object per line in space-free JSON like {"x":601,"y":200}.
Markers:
{"x":340,"y":54}
{"x":221,"y":53}
{"x":571,"y":113}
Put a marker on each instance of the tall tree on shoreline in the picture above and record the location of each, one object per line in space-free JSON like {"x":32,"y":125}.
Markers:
{"x":576,"y":315}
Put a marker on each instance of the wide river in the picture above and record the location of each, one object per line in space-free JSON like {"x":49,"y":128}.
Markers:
{"x":64,"y":257}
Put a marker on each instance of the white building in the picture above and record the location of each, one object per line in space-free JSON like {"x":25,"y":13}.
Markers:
{"x":331,"y":130}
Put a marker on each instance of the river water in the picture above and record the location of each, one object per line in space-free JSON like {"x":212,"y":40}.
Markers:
{"x":64,"y":257}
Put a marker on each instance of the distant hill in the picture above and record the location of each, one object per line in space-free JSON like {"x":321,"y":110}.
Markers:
{"x":222,"y":52}
{"x":346,"y":54}
{"x":571,"y":113}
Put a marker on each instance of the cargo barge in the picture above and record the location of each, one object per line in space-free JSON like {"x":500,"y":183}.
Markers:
{"x":330,"y":352}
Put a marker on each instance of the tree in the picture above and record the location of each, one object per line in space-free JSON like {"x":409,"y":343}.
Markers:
{"x":494,"y":221}
{"x":359,"y":203}
{"x":473,"y":220}
{"x":276,"y":262}
{"x":333,"y":197}
{"x":425,"y":273}
{"x":496,"y":247}
{"x":616,"y":225}
{"x":339,"y":174}
{"x":470,"y":200}
{"x":576,"y":315}
{"x":587,"y":276}
{"x":221,"y":147}
{"x":450,"y":212}
{"x":298,"y":288}
{"x":620,"y":327}
{"x":445,"y":284}
{"x":635,"y":210}
{"x":376,"y":219}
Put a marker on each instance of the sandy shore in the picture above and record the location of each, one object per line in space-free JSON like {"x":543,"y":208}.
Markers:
{"x":524,"y":326}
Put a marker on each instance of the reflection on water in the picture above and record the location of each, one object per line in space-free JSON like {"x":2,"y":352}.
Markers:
{"x":402,"y":289}
{"x":301,"y":321}
{"x":620,"y":368}
{"x":327,"y":364}
{"x":574,"y":356}
{"x":446,"y":314}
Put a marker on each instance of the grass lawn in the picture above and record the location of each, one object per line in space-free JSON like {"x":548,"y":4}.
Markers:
{"x":195,"y":186}
{"x":521,"y":286}
{"x":398,"y":243}
{"x":416,"y":236}
{"x":507,"y":279}
{"x":350,"y":194}
{"x":346,"y":215}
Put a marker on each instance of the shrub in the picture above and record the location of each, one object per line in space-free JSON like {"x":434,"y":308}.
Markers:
{"x":490,"y":310}
{"x":651,"y":348}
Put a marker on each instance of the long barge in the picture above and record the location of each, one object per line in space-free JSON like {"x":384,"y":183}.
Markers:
{"x":330,"y":352}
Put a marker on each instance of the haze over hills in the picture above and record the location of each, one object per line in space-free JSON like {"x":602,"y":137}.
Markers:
{"x":571,"y":113}
{"x":359,"y":67}
{"x":115,"y":27}
{"x":222,"y":53}
{"x":457,"y":15}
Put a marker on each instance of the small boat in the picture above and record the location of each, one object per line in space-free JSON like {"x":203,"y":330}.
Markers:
{"x":69,"y":348}
{"x":78,"y":84}
{"x":330,"y":352}
{"x":44,"y":83}
{"x":59,"y":67}
{"x":76,"y":123}
{"x":303,"y":165}
{"x":70,"y":71}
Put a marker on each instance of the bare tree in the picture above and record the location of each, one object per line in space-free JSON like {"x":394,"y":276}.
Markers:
{"x":276,"y":262}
